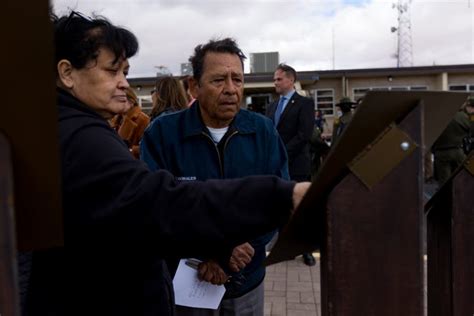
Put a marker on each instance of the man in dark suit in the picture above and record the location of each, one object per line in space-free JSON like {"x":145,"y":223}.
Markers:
{"x":293,"y":116}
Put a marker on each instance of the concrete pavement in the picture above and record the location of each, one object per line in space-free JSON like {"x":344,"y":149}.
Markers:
{"x":293,"y":289}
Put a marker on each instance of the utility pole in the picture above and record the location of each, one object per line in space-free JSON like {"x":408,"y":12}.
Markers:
{"x":404,"y":40}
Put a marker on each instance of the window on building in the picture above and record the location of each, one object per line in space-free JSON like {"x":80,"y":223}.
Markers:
{"x":458,"y":88}
{"x":462,"y":87}
{"x":418,"y":88}
{"x":360,"y":92}
{"x":145,"y":103}
{"x":324,"y":100}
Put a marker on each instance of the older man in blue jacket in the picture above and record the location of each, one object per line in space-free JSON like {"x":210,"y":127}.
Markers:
{"x":215,"y":139}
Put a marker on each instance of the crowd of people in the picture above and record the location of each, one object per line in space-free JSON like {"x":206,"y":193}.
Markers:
{"x":121,"y":220}
{"x":200,"y":177}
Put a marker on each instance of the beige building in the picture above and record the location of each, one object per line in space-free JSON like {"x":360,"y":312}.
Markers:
{"x":328,"y":86}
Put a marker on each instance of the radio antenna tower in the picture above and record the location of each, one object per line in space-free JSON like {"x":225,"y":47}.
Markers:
{"x":404,"y":44}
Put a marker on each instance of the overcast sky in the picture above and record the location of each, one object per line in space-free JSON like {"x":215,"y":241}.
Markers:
{"x":304,"y":32}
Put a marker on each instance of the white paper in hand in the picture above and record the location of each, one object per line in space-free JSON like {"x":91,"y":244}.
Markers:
{"x":192,"y":292}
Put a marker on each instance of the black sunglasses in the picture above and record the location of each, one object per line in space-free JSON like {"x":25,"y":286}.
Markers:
{"x":73,"y":16}
{"x":80,"y":15}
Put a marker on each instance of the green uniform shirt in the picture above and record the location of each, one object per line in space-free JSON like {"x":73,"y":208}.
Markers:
{"x":339,"y":125}
{"x":456,"y":130}
{"x":447,"y":150}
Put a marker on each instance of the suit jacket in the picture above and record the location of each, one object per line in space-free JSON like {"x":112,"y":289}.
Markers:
{"x":295,"y":128}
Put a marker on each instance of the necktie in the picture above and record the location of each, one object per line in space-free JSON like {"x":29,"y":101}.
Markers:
{"x":279,"y":110}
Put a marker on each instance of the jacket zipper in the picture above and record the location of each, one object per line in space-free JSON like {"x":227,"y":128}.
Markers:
{"x":217,"y":149}
{"x":225,"y":145}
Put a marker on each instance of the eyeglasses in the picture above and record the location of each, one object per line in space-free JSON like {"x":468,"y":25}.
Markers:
{"x":72,"y":19}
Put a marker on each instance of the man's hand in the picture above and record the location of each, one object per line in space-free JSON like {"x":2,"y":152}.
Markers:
{"x":241,"y":256}
{"x":211,"y":272}
{"x":298,"y":192}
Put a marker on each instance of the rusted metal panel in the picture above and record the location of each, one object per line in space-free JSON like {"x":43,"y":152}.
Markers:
{"x":450,"y":224}
{"x":29,"y":119}
{"x":463,"y":243}
{"x":371,"y":258}
{"x":378,"y":110}
{"x":439,"y":256}
{"x":9,"y":301}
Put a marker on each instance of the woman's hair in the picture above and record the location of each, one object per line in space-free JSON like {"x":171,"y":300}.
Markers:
{"x":78,"y":38}
{"x":170,"y":95}
{"x":131,"y":96}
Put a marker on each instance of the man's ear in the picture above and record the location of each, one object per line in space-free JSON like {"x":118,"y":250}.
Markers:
{"x":65,"y":70}
{"x":193,"y":87}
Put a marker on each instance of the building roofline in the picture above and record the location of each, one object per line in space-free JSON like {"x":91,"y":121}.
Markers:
{"x":314,"y":75}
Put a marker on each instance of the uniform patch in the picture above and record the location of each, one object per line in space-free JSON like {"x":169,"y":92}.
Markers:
{"x":186,"y":178}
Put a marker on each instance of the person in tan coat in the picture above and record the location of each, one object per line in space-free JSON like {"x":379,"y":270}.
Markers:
{"x":131,"y":125}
